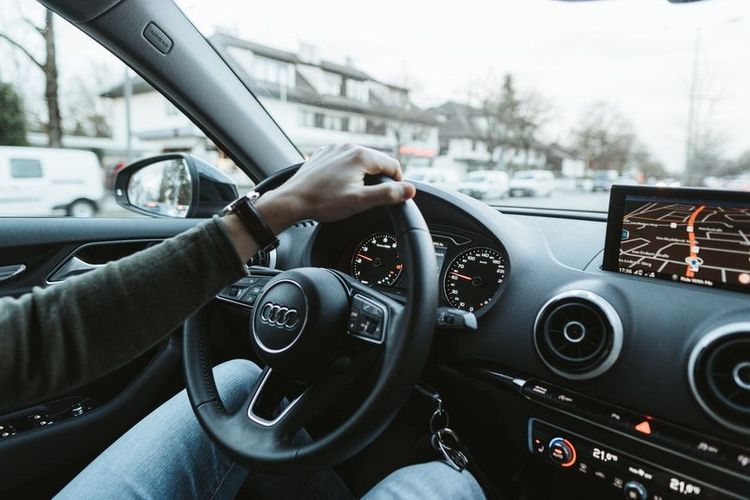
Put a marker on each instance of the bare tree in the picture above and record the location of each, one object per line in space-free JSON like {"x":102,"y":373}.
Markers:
{"x":48,"y":66}
{"x":84,"y":113}
{"x":510,"y":120}
{"x":646,"y":164}
{"x":705,"y":145}
{"x":604,"y":139}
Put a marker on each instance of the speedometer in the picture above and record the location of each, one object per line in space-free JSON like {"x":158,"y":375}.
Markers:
{"x":376,"y":261}
{"x":473,"y":277}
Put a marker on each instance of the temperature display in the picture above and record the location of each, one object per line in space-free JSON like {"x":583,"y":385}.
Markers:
{"x":604,"y":455}
{"x":683,"y":487}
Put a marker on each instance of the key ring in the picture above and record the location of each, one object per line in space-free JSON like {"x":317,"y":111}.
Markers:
{"x":454,"y":457}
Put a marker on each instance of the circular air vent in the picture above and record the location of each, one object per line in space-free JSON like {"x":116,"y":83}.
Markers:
{"x":719,"y":372}
{"x":578,"y":334}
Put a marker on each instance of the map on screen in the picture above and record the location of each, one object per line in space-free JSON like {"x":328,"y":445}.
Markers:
{"x":693,"y":242}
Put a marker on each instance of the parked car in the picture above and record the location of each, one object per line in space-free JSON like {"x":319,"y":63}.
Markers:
{"x":603,"y":180}
{"x":486,"y":184}
{"x":44,"y":181}
{"x":440,"y":177}
{"x":532,"y":183}
{"x":739,"y":184}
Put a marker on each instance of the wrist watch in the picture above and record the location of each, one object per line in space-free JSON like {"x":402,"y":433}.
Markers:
{"x":253,"y":220}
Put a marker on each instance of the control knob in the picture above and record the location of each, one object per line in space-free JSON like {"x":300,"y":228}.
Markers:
{"x":562,"y":452}
{"x":635,"y":491}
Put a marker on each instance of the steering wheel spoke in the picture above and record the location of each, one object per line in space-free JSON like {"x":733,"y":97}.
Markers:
{"x":278,"y":407}
{"x":270,"y":400}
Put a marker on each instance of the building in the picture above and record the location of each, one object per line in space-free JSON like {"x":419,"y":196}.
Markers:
{"x":316,"y":102}
{"x":463,"y":139}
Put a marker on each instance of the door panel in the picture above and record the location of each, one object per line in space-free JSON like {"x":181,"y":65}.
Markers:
{"x":39,"y":459}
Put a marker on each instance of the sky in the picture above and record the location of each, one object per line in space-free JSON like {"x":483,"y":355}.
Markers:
{"x":636,"y":55}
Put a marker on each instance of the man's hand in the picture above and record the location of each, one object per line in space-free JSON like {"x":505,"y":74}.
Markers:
{"x":330,"y":186}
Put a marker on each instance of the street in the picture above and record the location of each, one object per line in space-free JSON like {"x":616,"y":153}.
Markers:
{"x":570,"y":200}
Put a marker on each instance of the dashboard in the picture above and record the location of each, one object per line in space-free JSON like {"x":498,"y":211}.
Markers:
{"x":636,"y":382}
{"x":583,"y":332}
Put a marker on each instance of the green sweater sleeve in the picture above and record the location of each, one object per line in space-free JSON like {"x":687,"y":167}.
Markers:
{"x":55,"y":339}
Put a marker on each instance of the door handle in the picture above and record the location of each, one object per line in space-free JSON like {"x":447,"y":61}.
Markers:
{"x":8,"y":272}
{"x":73,"y":267}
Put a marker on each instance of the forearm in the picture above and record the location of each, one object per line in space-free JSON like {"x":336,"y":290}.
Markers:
{"x":55,"y":339}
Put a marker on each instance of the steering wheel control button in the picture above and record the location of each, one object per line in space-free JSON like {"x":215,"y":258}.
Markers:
{"x":562,"y":452}
{"x":244,"y":291}
{"x":635,"y":491}
{"x":366,"y":319}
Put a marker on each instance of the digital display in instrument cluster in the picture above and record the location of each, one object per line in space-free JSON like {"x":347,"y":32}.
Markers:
{"x":440,"y":249}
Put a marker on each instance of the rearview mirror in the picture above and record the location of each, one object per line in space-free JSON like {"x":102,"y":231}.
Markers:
{"x":174,"y":185}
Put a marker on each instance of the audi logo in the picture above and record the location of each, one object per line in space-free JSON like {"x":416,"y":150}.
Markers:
{"x":281,"y":316}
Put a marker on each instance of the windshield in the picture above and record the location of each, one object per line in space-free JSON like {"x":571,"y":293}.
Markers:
{"x":596,"y":93}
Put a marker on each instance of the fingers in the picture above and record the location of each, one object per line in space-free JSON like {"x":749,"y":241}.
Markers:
{"x":374,"y":162}
{"x":388,"y":193}
{"x":383,"y":164}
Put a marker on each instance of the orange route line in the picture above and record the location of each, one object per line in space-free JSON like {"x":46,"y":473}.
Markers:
{"x":691,"y":237}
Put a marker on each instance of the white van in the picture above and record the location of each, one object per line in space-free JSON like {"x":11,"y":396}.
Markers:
{"x":486,"y":184}
{"x":42,"y":182}
{"x":532,"y":183}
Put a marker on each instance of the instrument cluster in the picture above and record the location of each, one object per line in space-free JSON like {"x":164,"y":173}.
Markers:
{"x":471,"y":270}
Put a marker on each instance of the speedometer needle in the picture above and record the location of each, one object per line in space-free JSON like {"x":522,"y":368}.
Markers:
{"x":463,"y":276}
{"x":364,"y":257}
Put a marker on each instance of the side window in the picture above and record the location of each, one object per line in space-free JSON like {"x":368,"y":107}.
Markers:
{"x":74,"y":126}
{"x":25,"y":168}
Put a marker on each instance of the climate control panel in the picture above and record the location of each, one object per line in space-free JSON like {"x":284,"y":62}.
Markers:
{"x":635,"y":478}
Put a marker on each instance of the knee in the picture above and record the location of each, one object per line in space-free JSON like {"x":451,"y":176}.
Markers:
{"x":234,"y":381}
{"x":428,"y":480}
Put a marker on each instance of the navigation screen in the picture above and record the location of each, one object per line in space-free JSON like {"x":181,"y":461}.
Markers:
{"x":698,"y":241}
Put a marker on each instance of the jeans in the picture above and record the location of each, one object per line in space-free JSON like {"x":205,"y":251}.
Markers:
{"x":168,"y":455}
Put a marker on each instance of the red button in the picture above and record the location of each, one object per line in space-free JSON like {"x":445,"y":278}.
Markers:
{"x":644,"y":427}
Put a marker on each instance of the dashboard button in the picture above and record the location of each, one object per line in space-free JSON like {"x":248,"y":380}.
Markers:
{"x":738,"y":459}
{"x":6,"y":430}
{"x":539,"y":391}
{"x":643,"y":427}
{"x":635,"y":491}
{"x":706,"y":449}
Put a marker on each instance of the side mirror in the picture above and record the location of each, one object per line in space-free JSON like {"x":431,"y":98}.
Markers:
{"x":174,"y":185}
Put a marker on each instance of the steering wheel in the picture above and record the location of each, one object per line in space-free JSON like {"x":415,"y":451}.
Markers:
{"x":301,"y":328}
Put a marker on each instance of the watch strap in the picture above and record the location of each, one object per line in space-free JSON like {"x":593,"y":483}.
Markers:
{"x":254,"y":221}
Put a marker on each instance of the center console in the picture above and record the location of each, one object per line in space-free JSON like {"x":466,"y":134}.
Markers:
{"x":634,"y":476}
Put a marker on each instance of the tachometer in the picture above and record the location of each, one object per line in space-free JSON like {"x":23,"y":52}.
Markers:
{"x":473,"y":277}
{"x":376,"y":261}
